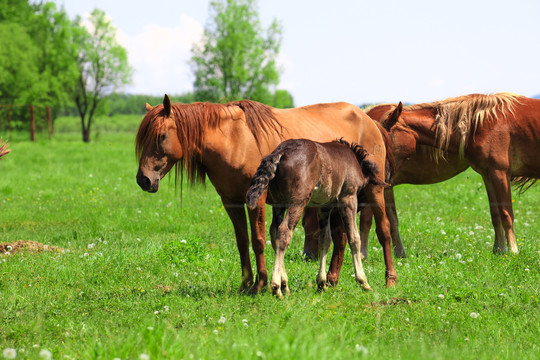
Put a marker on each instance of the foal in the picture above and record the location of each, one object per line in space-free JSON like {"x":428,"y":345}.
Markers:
{"x":328,"y":176}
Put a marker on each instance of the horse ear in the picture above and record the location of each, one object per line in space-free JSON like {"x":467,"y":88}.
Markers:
{"x":148,"y":107}
{"x":167,"y":105}
{"x":394,"y":117}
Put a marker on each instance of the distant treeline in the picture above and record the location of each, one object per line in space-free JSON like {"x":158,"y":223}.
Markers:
{"x":127,"y":104}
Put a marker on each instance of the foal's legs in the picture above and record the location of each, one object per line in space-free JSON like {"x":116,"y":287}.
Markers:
{"x":283,"y":239}
{"x":497,"y":184}
{"x":311,"y":229}
{"x":375,"y":195}
{"x":347,"y":210}
{"x":277,"y":218}
{"x":325,"y":238}
{"x":339,"y":239}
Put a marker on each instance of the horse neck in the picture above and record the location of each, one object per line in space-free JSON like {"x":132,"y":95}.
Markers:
{"x":422,"y":124}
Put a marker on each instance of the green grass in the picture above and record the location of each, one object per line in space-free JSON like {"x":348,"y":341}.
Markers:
{"x":158,"y":275}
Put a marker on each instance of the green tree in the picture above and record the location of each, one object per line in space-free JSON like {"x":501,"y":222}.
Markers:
{"x":18,"y":64}
{"x":237,"y":58}
{"x":54,"y":33}
{"x":103,"y":68}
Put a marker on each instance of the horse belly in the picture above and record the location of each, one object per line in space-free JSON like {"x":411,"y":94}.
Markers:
{"x":321,"y":196}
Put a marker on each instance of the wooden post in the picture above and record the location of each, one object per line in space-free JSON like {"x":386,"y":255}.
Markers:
{"x":32,"y":125}
{"x":49,"y":122}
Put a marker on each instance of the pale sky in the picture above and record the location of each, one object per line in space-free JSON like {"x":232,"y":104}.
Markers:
{"x":346,"y":50}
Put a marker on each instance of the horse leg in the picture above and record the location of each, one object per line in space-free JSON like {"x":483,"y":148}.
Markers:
{"x":391,"y":212}
{"x":502,"y":215}
{"x":257,"y":219}
{"x":366,"y":220}
{"x":339,"y":239}
{"x":237,"y":214}
{"x":325,"y":239}
{"x":283,"y":239}
{"x":277,"y":218}
{"x":347,"y":211}
{"x":375,"y":196}
{"x":311,"y":229}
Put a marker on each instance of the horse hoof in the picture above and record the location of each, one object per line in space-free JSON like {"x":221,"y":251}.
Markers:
{"x":390,"y":283}
{"x":285,"y":289}
{"x":276,"y":291}
{"x":366,"y":287}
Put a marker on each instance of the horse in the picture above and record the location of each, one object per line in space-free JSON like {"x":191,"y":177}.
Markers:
{"x":329,"y":176}
{"x":226,"y":143}
{"x":4,"y":148}
{"x":497,"y":135}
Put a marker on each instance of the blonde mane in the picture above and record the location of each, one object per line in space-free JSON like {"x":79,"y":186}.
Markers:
{"x":465,"y":114}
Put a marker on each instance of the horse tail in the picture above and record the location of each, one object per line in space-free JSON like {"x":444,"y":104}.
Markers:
{"x":265,"y":172}
{"x":390,"y":166}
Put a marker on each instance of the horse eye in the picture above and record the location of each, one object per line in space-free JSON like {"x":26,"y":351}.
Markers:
{"x":162,"y":137}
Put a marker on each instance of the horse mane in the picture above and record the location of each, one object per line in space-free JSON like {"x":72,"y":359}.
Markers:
{"x":464,"y":115}
{"x":192,"y":122}
{"x":368,"y":167}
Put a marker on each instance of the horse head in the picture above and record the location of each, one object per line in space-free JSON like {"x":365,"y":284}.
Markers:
{"x":157,"y":144}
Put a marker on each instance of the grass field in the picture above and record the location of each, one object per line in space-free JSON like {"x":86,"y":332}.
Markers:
{"x":158,"y":274}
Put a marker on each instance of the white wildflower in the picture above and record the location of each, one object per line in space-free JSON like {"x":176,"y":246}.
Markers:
{"x":10,"y":353}
{"x":144,"y":356}
{"x":441,"y":296}
{"x":45,"y":354}
{"x":361,"y":349}
{"x":183,"y":241}
{"x":474,"y":315}
{"x":222,"y":320}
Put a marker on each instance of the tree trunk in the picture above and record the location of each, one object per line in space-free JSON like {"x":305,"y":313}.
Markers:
{"x":86,"y":135}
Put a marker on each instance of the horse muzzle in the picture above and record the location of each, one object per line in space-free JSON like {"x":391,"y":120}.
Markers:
{"x":146,"y":184}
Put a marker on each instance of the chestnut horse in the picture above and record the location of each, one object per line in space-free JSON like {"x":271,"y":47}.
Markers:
{"x":227,"y":142}
{"x":497,"y":135}
{"x":329,"y":176}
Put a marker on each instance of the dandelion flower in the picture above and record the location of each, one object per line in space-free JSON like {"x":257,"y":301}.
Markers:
{"x":10,"y":353}
{"x":45,"y":354}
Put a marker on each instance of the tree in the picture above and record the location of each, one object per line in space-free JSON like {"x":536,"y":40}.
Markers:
{"x":53,"y":33}
{"x":237,"y":58}
{"x":18,"y":64}
{"x":103,"y":67}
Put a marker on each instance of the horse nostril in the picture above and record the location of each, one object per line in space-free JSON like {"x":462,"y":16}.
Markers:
{"x":144,"y":182}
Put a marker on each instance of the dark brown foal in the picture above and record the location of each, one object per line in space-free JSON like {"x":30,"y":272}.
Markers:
{"x":329,"y":176}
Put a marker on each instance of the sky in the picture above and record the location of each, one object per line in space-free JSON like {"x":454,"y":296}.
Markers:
{"x":347,"y":50}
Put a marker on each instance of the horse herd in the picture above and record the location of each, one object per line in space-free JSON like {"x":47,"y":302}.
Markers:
{"x":327,"y":161}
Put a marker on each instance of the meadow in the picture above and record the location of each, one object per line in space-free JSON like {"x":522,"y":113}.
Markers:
{"x":133,"y":275}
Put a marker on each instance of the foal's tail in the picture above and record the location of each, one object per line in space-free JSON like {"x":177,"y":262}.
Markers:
{"x":265,"y":172}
